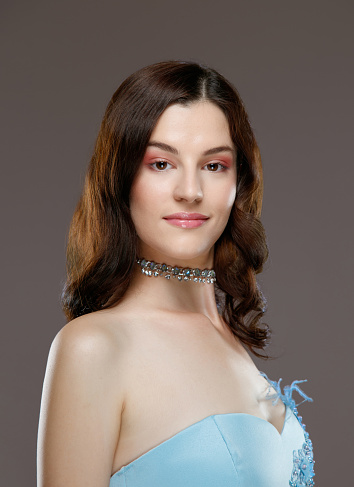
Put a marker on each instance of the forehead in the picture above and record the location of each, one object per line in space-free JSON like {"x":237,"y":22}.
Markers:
{"x":199,"y":122}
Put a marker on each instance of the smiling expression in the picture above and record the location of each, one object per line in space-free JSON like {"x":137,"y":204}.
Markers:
{"x":184,"y":190}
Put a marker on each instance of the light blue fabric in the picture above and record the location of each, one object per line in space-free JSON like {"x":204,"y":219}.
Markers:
{"x":229,"y":450}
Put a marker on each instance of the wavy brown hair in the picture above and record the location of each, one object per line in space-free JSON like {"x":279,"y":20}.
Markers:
{"x":102,"y":242}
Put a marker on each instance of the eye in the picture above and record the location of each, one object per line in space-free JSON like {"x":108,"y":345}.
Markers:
{"x":215,"y":167}
{"x":160,"y":165}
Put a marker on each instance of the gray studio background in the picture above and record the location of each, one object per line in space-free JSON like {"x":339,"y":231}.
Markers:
{"x":292,"y":63}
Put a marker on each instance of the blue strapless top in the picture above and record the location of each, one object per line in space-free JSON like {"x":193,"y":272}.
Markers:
{"x":229,"y":450}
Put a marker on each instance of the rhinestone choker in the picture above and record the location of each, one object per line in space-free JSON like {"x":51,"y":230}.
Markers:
{"x":150,"y":268}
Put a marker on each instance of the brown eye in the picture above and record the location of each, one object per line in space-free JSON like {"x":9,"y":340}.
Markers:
{"x":213,"y":166}
{"x":160,"y":165}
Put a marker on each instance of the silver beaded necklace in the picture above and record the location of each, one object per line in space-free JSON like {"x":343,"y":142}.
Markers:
{"x":151,"y":268}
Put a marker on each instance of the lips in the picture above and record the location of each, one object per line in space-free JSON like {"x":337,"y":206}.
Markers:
{"x":186,"y":216}
{"x":186,"y":220}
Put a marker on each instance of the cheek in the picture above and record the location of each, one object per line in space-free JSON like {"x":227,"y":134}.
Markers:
{"x":231,"y":196}
{"x":139,"y":200}
{"x":139,"y":209}
{"x":223,"y":205}
{"x":226,"y":197}
{"x":145,"y":198}
{"x":137,"y":193}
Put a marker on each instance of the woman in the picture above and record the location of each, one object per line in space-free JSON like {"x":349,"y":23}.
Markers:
{"x":150,"y":383}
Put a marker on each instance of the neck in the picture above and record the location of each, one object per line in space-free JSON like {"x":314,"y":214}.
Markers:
{"x":174,"y":294}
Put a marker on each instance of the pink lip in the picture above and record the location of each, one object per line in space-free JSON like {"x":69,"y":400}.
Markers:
{"x":186,"y":216}
{"x":186,"y":220}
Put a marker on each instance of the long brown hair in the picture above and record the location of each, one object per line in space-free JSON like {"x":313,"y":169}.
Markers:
{"x":102,"y":242}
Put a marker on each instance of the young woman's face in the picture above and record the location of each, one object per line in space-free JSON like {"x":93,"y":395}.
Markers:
{"x":183,"y":193}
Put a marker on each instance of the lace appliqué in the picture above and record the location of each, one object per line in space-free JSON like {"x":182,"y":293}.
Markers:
{"x":303,"y":472}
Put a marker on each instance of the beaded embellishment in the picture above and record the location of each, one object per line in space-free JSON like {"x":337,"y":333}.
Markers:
{"x":303,"y":471}
{"x":150,"y":268}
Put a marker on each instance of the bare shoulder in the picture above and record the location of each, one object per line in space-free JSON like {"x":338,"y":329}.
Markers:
{"x":111,"y":337}
{"x":99,"y":348}
{"x":93,"y":337}
{"x":93,"y":327}
{"x":83,"y":397}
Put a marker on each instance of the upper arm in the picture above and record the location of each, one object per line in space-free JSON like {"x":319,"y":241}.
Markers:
{"x":81,"y":407}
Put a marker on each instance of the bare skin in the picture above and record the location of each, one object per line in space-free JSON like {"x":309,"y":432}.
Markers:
{"x":188,"y":366}
{"x":121,"y":381}
{"x":151,"y":371}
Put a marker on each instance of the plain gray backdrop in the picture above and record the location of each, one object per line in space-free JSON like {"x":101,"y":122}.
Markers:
{"x":292,"y":63}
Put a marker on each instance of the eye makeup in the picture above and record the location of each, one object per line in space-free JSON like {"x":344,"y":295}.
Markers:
{"x":152,"y":157}
{"x":225,"y":161}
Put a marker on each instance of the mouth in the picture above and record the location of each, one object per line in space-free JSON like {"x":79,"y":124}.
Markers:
{"x":186,"y":220}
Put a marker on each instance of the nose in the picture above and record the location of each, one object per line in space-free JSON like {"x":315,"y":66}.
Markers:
{"x":188,"y":187}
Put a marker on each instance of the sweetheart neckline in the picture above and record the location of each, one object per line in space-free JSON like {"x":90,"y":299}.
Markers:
{"x":280,"y":435}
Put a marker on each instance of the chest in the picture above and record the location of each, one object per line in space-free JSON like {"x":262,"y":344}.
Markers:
{"x":179,"y":378}
{"x":194,"y":367}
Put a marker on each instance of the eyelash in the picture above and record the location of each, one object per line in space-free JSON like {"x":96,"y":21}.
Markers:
{"x":153,"y":165}
{"x":221,"y":166}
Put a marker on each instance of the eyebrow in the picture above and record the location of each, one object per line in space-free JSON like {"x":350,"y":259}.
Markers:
{"x":209,"y":152}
